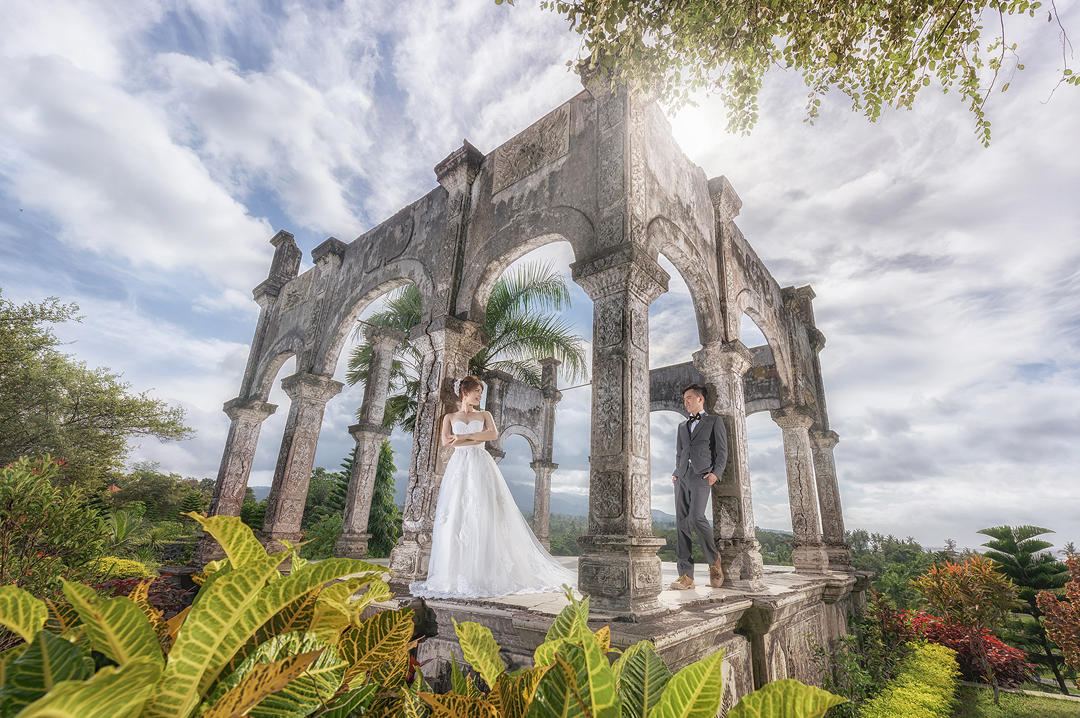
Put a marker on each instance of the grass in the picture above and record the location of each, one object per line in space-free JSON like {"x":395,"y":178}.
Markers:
{"x":979,"y":703}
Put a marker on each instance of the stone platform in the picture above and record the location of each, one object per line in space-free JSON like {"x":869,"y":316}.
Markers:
{"x":765,"y":634}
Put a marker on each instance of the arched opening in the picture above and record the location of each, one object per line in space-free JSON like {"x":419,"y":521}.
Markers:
{"x":772,"y":512}
{"x":269,"y":444}
{"x":515,"y":469}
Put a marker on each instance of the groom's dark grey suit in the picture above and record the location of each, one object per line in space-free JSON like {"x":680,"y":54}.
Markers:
{"x":700,"y":451}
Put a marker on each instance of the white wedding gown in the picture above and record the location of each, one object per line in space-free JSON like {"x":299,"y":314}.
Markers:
{"x":481,"y":545}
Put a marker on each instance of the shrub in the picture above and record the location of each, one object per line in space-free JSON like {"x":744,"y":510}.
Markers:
{"x":1062,"y":617}
{"x":46,"y":532}
{"x":108,"y":567}
{"x":163,"y":592}
{"x":321,"y":537}
{"x":924,"y":687}
{"x":1010,"y":665}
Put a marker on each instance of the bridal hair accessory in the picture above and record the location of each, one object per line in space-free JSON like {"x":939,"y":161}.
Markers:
{"x":457,"y":388}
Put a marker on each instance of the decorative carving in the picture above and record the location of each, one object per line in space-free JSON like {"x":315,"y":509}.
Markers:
{"x":609,"y":427}
{"x":606,"y":492}
{"x":540,"y":144}
{"x":641,"y":500}
{"x":608,"y":323}
{"x":389,"y":240}
{"x":608,"y":579}
{"x":296,"y":291}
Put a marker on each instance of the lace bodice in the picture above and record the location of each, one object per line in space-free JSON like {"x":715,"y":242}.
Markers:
{"x":462,"y":427}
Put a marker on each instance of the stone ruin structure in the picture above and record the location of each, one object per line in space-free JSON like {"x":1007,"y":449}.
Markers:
{"x":602,"y":172}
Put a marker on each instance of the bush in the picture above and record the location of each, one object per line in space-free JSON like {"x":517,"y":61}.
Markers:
{"x":924,"y":687}
{"x":321,"y":537}
{"x":46,"y":532}
{"x":108,"y":567}
{"x":1009,"y":664}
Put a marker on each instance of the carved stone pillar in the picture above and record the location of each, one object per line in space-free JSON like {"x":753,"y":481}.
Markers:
{"x":247,"y":417}
{"x":496,"y":393}
{"x":832,"y":514}
{"x":369,"y":435}
{"x":542,"y":501}
{"x":447,"y":345}
{"x":723,"y":364}
{"x":809,"y":555}
{"x":285,"y":505}
{"x":619,"y":567}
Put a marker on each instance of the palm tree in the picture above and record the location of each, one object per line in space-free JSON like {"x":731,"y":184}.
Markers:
{"x":523,"y":325}
{"x":1023,"y":558}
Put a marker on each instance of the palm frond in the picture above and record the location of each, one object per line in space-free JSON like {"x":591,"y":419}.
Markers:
{"x":536,"y":337}
{"x":526,"y":371}
{"x":530,"y":288}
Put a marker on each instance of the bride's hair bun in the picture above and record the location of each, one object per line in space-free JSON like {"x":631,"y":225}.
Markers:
{"x":467,"y":384}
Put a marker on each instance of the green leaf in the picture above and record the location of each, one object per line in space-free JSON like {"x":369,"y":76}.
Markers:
{"x":480,"y":650}
{"x":113,"y":692}
{"x":260,"y":681}
{"x":513,"y":692}
{"x":235,"y":537}
{"x":641,"y":676}
{"x":451,"y":705}
{"x":570,"y":619}
{"x":559,"y":694}
{"x":694,"y":692}
{"x":598,"y":679}
{"x":458,"y":684}
{"x":36,"y":670}
{"x":787,"y":697}
{"x":320,"y":680}
{"x":117,"y":626}
{"x":21,"y":613}
{"x":377,"y":640}
{"x":544,"y":655}
{"x":351,"y":703}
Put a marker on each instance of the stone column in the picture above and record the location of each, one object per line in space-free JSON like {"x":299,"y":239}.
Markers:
{"x":723,"y":364}
{"x":247,"y":416}
{"x":543,"y":467}
{"x":285,"y":505}
{"x":542,"y":500}
{"x":809,"y":555}
{"x":369,"y":434}
{"x":496,"y":393}
{"x":832,"y":514}
{"x":619,"y":567}
{"x":447,"y":345}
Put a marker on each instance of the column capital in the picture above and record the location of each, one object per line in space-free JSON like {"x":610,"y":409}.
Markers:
{"x":624,"y":268}
{"x":448,"y":333}
{"x":368,"y":428}
{"x":384,"y":336}
{"x":725,"y":200}
{"x":543,"y":465}
{"x":459,"y":168}
{"x":312,"y":387}
{"x":333,"y":249}
{"x":822,"y":440}
{"x":723,"y":358}
{"x":792,"y":417}
{"x":248,"y":409}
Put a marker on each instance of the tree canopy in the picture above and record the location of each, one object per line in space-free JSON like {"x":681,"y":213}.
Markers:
{"x":51,"y":403}
{"x":877,"y":52}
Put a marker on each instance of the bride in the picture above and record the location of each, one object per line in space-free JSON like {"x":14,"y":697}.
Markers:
{"x":480,"y":544}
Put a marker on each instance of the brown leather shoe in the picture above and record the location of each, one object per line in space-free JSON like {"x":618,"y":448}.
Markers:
{"x":716,"y":574}
{"x":682,"y":583}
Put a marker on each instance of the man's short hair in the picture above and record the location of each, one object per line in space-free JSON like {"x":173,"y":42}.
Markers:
{"x":696,"y":388}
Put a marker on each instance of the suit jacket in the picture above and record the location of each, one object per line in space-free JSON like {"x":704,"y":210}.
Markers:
{"x":704,"y":451}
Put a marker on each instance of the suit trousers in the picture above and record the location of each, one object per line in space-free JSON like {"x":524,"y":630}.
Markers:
{"x":691,"y":494}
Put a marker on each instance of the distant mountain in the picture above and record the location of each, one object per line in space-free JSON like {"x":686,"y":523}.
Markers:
{"x":261,"y":492}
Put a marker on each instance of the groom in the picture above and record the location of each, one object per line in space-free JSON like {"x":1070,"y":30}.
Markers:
{"x":700,"y":456}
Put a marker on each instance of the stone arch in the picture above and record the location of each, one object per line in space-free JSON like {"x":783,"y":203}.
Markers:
{"x":668,"y":239}
{"x":290,"y":345}
{"x":530,"y":231}
{"x":393,"y":276}
{"x":524,"y":432}
{"x":745,"y":304}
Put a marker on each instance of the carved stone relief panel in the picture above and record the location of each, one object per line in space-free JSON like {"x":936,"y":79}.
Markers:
{"x":607,"y":494}
{"x":542,"y":143}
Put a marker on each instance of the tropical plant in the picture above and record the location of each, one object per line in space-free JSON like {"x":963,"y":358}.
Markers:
{"x":523,"y":324}
{"x":572,"y":676}
{"x":1009,"y":665}
{"x":254,"y":642}
{"x":973,"y":596}
{"x":109,"y":567}
{"x":384,"y":521}
{"x":924,"y":687}
{"x":1062,"y":617}
{"x":46,"y":531}
{"x":877,"y":52}
{"x":325,"y":497}
{"x":1024,"y":558}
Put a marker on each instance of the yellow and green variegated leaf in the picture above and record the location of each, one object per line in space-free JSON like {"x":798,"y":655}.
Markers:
{"x":112,"y":692}
{"x":141,"y":596}
{"x":45,"y":662}
{"x":21,"y":613}
{"x":172,"y":626}
{"x":457,"y":678}
{"x":451,"y":705}
{"x":294,"y":617}
{"x":62,"y":616}
{"x":116,"y":626}
{"x":640,"y":679}
{"x":225,"y":598}
{"x":235,"y":537}
{"x":514,"y":691}
{"x":571,"y":619}
{"x":787,"y":697}
{"x":376,"y":640}
{"x":603,"y":639}
{"x":480,"y":650}
{"x":412,"y":705}
{"x":544,"y":655}
{"x":599,"y":681}
{"x":694,"y":692}
{"x":6,"y":658}
{"x":391,"y":674}
{"x":262,"y":680}
{"x":329,"y":620}
{"x":355,"y":702}
{"x":558,"y":694}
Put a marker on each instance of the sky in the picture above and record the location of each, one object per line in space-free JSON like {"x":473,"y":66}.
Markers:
{"x":148,"y":152}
